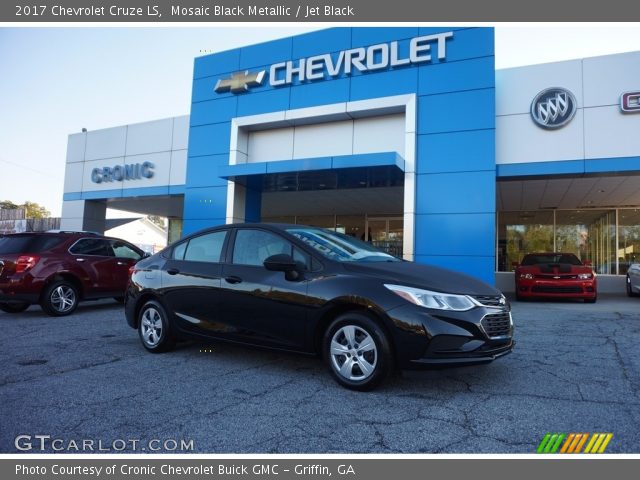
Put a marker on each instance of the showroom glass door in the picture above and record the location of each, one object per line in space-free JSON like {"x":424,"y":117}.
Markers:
{"x":386,"y":233}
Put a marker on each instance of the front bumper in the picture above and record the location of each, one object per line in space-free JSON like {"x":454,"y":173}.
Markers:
{"x":427,"y":338}
{"x":530,"y":288}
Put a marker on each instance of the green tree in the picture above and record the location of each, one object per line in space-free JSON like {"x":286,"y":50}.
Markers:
{"x":8,"y":205}
{"x":32,"y":209}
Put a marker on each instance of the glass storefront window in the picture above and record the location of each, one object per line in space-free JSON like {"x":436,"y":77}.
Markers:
{"x":520,"y":233}
{"x":628,"y":239}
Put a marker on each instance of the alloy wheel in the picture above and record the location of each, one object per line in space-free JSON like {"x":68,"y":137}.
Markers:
{"x":151,"y":326}
{"x":63,"y":298}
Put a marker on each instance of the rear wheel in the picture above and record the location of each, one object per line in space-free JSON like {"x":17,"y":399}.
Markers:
{"x":154,"y":329}
{"x":14,"y":307}
{"x":358,"y":351}
{"x":59,"y":299}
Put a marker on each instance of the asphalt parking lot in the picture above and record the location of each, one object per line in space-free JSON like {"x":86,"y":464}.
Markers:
{"x":576,"y":368}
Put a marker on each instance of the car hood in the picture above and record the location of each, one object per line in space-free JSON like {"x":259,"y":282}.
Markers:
{"x":423,"y":276}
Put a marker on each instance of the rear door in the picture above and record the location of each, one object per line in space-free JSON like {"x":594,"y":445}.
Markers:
{"x":191,"y":281}
{"x":126,"y":255}
{"x":262,"y":306}
{"x":95,"y":257}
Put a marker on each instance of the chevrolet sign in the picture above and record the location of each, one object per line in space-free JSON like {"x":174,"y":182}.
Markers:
{"x":362,"y":59}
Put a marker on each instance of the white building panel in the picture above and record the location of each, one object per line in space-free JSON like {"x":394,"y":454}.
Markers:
{"x":161,"y":170}
{"x":73,"y":177}
{"x":106,"y":143}
{"x":519,"y":140}
{"x":180,"y":133}
{"x":609,"y":133}
{"x":379,"y":134}
{"x":178,"y":175}
{"x":150,"y":137}
{"x":90,"y":186}
{"x":270,"y":145}
{"x":606,"y":78}
{"x":323,"y":140}
{"x":75,"y":147}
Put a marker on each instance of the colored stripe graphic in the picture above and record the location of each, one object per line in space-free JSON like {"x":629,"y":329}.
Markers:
{"x":573,"y":442}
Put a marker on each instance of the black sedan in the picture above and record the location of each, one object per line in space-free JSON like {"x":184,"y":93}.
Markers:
{"x":315,"y":291}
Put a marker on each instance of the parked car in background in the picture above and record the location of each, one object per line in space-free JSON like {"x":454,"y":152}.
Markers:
{"x":555,"y":275}
{"x":633,"y":280}
{"x":315,"y":291}
{"x":59,"y":269}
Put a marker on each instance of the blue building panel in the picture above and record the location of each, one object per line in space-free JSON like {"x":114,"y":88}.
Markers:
{"x":213,"y":111}
{"x":208,"y":202}
{"x":476,"y":266}
{"x":459,"y":192}
{"x":313,"y":94}
{"x":452,"y":76}
{"x":209,"y":139}
{"x":470,"y":43}
{"x":384,"y":84}
{"x":255,"y":103}
{"x":457,"y":151}
{"x":367,"y":36}
{"x":455,"y":234}
{"x":203,"y":171}
{"x":457,"y":111}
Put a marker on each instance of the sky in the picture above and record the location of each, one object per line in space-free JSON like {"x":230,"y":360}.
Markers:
{"x":56,"y":81}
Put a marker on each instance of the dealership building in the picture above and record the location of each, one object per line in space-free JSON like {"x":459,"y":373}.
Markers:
{"x":404,"y":137}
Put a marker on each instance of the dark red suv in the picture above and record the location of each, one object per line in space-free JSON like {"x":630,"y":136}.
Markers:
{"x":59,"y":269}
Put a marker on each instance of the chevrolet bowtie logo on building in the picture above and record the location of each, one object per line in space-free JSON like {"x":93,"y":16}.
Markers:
{"x":240,"y":82}
{"x":553,"y":108}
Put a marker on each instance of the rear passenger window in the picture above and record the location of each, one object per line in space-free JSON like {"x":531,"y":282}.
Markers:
{"x":205,"y":248}
{"x":178,"y":251}
{"x":92,"y":246}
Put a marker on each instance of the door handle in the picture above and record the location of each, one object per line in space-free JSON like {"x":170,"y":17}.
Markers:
{"x":173,"y":271}
{"x":233,"y":279}
{"x":79,"y":259}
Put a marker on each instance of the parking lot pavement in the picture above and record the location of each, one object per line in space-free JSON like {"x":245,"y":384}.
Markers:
{"x":576,"y":368}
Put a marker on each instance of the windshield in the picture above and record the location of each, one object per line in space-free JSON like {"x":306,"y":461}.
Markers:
{"x":339,"y":247}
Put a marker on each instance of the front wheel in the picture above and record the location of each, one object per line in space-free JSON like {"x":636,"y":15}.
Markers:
{"x":153,"y":328}
{"x":358,"y":351}
{"x":14,"y":307}
{"x":59,"y":299}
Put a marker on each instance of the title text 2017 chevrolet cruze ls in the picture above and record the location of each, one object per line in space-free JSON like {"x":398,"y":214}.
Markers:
{"x":314,"y":291}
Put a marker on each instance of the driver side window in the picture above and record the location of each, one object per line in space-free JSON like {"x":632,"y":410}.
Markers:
{"x":253,"y":247}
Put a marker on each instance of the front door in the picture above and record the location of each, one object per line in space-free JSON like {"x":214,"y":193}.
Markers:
{"x":263,"y":306}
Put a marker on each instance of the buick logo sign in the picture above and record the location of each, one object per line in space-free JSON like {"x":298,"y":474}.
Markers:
{"x":553,"y":108}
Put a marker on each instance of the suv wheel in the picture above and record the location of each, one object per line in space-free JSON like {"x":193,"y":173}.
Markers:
{"x":14,"y":307}
{"x":153,"y":328}
{"x":630,"y":292}
{"x":60,"y":299}
{"x":358,"y":351}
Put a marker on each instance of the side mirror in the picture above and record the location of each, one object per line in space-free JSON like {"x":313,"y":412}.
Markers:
{"x":283,"y":263}
{"x":146,"y":255}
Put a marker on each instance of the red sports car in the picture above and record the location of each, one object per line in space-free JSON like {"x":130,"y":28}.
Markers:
{"x":557,"y":275}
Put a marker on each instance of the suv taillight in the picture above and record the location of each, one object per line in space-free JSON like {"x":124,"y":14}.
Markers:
{"x":26,"y":263}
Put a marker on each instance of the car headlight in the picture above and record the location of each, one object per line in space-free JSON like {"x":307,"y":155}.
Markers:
{"x":584,"y":276}
{"x":526,"y":276}
{"x":437,"y":300}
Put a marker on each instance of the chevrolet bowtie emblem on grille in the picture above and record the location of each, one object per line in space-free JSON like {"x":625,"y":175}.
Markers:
{"x":240,"y":82}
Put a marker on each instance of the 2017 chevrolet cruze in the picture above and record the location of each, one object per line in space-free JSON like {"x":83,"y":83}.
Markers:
{"x":314,"y":291}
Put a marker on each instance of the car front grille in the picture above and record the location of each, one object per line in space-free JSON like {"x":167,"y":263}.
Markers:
{"x":551,"y":289}
{"x":556,"y":277}
{"x":497,"y":324}
{"x":489,"y":300}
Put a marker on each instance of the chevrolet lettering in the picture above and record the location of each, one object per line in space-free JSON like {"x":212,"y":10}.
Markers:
{"x":346,"y":62}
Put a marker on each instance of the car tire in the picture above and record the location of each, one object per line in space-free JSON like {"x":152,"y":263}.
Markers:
{"x":119,"y":300}
{"x":630,"y":292}
{"x":154,"y":329}
{"x":591,"y":300}
{"x":59,"y":299}
{"x":14,"y":307}
{"x":347,"y":358}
